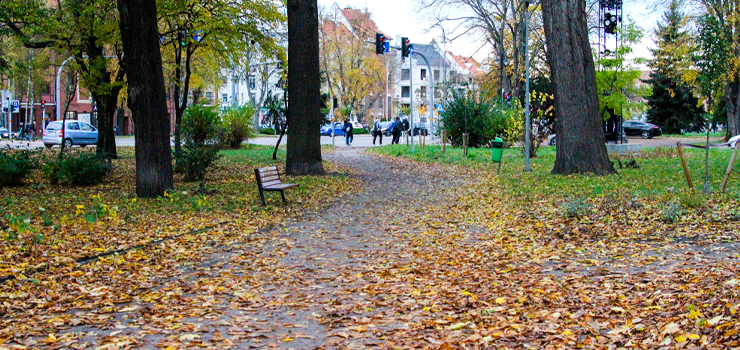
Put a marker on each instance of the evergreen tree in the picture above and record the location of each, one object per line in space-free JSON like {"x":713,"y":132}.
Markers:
{"x":672,"y":104}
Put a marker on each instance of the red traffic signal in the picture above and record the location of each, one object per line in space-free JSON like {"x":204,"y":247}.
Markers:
{"x":379,"y":43}
{"x":405,"y":47}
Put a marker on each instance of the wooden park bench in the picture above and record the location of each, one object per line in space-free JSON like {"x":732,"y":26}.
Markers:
{"x":268,"y":179}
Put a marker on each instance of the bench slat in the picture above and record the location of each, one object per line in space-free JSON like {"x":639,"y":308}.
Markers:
{"x":273,"y":168}
{"x":281,"y":186}
{"x":268,"y":172}
{"x":269,"y":178}
{"x":271,"y":183}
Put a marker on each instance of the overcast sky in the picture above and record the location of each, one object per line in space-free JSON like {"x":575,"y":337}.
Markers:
{"x":398,"y":17}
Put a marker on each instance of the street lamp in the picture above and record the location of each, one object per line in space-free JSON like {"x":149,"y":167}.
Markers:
{"x":527,"y":126}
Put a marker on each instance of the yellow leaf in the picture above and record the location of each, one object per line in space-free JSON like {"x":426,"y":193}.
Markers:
{"x":693,"y":336}
{"x":288,"y":339}
{"x":567,"y":333}
{"x":500,"y":300}
{"x":681,"y":338}
{"x":618,"y":309}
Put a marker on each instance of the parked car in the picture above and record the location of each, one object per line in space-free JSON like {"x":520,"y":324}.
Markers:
{"x":421,"y":128}
{"x":551,"y":140}
{"x":358,"y":125}
{"x":646,"y":130}
{"x":326,"y":129}
{"x":74,"y":133}
{"x":4,"y":133}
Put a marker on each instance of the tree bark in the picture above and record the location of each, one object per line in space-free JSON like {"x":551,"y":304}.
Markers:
{"x":580,"y":129}
{"x":304,"y":89}
{"x":732,"y":102}
{"x":147,"y":100}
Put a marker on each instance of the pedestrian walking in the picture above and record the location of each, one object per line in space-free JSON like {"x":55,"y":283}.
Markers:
{"x":396,"y":128}
{"x":377,"y":131}
{"x":348,"y":133}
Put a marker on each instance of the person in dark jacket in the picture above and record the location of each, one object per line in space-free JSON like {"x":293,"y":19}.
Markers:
{"x":396,"y":128}
{"x":348,"y":133}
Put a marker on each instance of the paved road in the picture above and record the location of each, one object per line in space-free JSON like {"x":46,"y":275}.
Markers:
{"x":359,"y":141}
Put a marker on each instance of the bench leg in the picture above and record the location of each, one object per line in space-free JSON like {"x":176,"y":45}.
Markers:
{"x":262,"y":196}
{"x":282,"y":194}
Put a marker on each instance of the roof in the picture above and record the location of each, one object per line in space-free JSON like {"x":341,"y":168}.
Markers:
{"x":432,"y":55}
{"x":361,"y":21}
{"x":467,"y":63}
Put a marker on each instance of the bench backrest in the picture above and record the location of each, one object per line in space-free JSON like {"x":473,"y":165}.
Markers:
{"x":267,"y":176}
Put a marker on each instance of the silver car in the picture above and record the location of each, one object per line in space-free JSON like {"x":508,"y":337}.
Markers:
{"x":74,"y":133}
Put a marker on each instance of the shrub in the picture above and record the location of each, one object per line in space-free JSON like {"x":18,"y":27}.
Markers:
{"x":482,"y":120}
{"x":267,"y":131}
{"x":360,"y":131}
{"x":15,"y":166}
{"x":237,"y":125}
{"x":671,"y":212}
{"x":76,"y":168}
{"x":202,"y":136}
{"x":576,"y":206}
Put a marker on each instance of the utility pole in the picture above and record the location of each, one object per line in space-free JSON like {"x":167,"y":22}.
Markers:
{"x":527,"y":125}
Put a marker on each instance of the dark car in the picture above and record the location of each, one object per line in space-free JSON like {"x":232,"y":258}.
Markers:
{"x":637,"y":128}
{"x":421,"y":128}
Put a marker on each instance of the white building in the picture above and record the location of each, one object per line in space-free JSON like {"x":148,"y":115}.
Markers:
{"x":442,"y":73}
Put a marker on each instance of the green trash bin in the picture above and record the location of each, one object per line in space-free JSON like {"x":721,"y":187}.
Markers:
{"x":498,"y":149}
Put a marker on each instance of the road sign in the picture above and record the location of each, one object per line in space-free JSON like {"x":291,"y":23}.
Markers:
{"x":16,"y":106}
{"x":440,"y":108}
{"x":386,"y":46}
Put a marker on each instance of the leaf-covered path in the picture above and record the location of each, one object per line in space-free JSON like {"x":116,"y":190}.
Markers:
{"x":292,"y":286}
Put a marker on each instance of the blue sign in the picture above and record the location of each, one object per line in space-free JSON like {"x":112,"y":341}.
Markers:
{"x":440,"y":108}
{"x":387,"y":46}
{"x":411,"y":50}
{"x":15,"y":106}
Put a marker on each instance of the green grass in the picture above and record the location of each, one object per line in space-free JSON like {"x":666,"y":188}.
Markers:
{"x":698,"y":134}
{"x":660,"y":174}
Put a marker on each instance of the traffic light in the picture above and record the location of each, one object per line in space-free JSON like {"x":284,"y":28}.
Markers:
{"x":181,"y":37}
{"x":379,"y":43}
{"x":610,"y":23}
{"x":43,"y":103}
{"x":405,"y":47}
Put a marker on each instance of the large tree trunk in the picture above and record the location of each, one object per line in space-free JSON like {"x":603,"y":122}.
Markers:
{"x":304,"y":89}
{"x":146,"y":92}
{"x":105,"y":95}
{"x":578,"y":125}
{"x":732,"y":102}
{"x":106,"y":105}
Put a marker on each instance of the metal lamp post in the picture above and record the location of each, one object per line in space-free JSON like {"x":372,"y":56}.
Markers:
{"x":527,"y":126}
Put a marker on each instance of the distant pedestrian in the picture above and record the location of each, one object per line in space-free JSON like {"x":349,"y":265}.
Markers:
{"x":396,"y":128}
{"x":348,"y":133}
{"x":377,"y":131}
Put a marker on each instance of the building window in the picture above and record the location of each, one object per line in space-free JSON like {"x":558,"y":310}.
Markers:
{"x":405,"y":74}
{"x":423,"y":92}
{"x":405,"y":91}
{"x":225,"y":98}
{"x":437,"y":93}
{"x":209,"y":96}
{"x":224,"y":80}
{"x":423,"y":74}
{"x":252,"y":82}
{"x":436,"y":75}
{"x":470,"y":80}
